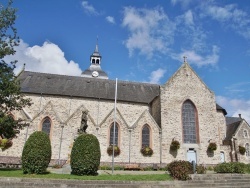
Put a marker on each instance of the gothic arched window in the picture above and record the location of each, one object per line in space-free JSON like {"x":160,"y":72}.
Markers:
{"x":247,"y":150}
{"x":114,"y":129}
{"x":145,"y":136}
{"x":189,"y":123}
{"x":46,"y":126}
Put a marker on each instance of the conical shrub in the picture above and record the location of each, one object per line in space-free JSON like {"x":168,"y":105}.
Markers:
{"x":85,"y":155}
{"x":36,"y":153}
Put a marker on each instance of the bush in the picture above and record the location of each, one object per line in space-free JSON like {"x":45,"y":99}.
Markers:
{"x":201,"y":169}
{"x":175,"y":145}
{"x":5,"y":143}
{"x":242,"y":150}
{"x":85,"y":155}
{"x":180,"y":170}
{"x":146,"y":151}
{"x":232,"y":167}
{"x":36,"y":153}
{"x":117,"y":150}
{"x":212,"y":146}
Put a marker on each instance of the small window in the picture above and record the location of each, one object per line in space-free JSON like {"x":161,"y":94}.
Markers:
{"x":46,"y":127}
{"x":97,"y":61}
{"x":145,"y":136}
{"x":93,"y":61}
{"x":113,"y":129}
{"x":245,"y":133}
{"x":247,"y":150}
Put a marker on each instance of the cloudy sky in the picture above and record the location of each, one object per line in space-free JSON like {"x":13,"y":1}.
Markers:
{"x":142,"y":40}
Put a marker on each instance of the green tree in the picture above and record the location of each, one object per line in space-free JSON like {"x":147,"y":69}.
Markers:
{"x":11,"y":98}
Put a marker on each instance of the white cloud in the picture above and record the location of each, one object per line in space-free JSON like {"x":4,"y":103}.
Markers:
{"x":110,"y":19}
{"x":188,"y":17}
{"x":230,"y":16}
{"x":89,"y":9}
{"x":234,"y":107}
{"x":150,"y":30}
{"x":156,"y":75}
{"x":197,"y":59}
{"x":48,"y":58}
{"x":184,"y":3}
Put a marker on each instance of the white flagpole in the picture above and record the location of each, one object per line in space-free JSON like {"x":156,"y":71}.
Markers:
{"x":113,"y":154}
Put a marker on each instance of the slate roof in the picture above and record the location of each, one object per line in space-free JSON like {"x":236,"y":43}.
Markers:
{"x":218,"y":107}
{"x":52,"y":84}
{"x":232,"y":125}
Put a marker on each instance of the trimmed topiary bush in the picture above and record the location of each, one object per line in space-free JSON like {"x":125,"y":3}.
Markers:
{"x":36,"y":153}
{"x":232,"y":167}
{"x":85,"y":155}
{"x":180,"y":170}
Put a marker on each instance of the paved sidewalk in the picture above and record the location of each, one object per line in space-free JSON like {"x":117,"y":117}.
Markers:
{"x":66,"y":169}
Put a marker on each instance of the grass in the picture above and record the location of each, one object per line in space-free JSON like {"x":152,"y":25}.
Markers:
{"x":128,"y":177}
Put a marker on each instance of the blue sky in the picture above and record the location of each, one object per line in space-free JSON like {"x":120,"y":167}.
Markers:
{"x":142,"y":40}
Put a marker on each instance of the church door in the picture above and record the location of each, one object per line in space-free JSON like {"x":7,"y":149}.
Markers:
{"x":191,"y":156}
{"x":222,"y":157}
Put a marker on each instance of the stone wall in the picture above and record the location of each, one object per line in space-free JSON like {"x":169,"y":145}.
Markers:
{"x":65,"y":114}
{"x":186,"y":85}
{"x":241,"y":140}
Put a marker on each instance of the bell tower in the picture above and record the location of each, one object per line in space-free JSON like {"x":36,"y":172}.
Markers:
{"x":95,"y":71}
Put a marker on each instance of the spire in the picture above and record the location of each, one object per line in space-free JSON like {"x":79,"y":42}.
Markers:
{"x":96,"y":46}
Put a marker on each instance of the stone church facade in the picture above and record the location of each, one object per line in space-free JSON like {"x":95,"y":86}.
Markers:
{"x":183,"y":109}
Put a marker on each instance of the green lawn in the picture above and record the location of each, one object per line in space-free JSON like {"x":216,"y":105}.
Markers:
{"x":147,"y":177}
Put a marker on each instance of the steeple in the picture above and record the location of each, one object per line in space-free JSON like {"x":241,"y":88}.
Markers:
{"x":95,"y":70}
{"x":95,"y":58}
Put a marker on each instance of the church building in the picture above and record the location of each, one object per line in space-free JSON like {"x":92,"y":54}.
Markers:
{"x":150,"y":123}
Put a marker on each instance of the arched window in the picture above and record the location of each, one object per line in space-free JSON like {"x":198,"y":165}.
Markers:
{"x":189,"y":122}
{"x":93,"y":61}
{"x":247,"y":150}
{"x":97,"y":61}
{"x":245,"y":133}
{"x":111,"y":135}
{"x":46,"y":126}
{"x":145,"y":136}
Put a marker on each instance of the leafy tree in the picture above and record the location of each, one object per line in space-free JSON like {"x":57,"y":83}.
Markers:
{"x":11,"y":98}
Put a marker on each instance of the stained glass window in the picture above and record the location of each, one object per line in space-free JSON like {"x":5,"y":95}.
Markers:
{"x":112,"y":134}
{"x":189,"y":122}
{"x":145,"y":136}
{"x":247,"y":150}
{"x":46,"y":126}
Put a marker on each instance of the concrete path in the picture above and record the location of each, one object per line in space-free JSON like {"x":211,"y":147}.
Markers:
{"x":67,"y":170}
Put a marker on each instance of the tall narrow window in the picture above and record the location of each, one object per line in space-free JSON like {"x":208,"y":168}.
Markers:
{"x":189,"y":122}
{"x":145,"y":136}
{"x":46,"y":126}
{"x":245,"y":133}
{"x":247,"y":150}
{"x":111,"y":135}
